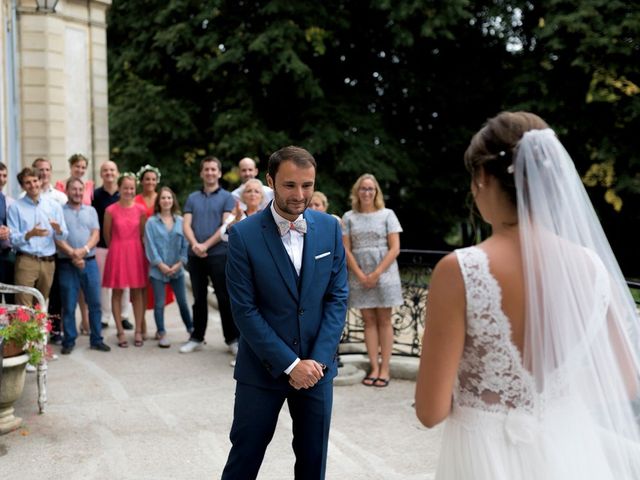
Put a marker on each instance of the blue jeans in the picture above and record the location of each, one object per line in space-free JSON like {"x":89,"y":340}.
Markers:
{"x":177,"y":285}
{"x":73,"y":279}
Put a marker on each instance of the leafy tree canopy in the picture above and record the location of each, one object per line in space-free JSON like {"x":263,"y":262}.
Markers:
{"x":391,"y":87}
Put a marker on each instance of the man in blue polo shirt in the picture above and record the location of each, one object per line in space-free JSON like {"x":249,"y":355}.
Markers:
{"x":35,"y":222}
{"x":204,"y":213}
{"x":79,"y":269}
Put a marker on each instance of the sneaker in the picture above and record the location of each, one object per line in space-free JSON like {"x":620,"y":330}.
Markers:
{"x":233,"y":348}
{"x":126,"y":324}
{"x":55,"y":339}
{"x":101,"y":347}
{"x":163,"y":342}
{"x":191,"y":346}
{"x":66,"y":350}
{"x":31,"y":368}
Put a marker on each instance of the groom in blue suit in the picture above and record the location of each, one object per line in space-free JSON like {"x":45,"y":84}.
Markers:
{"x":287,"y":280}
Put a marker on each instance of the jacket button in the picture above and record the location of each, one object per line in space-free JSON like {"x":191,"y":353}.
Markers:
{"x":295,"y":341}
{"x":301,"y":311}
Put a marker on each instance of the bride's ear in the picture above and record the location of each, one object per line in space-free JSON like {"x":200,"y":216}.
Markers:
{"x":480,"y":177}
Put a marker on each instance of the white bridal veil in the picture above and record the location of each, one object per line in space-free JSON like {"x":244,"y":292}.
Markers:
{"x":582,"y":337}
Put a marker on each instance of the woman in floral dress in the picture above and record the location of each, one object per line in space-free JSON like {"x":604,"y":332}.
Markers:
{"x":371,"y":235}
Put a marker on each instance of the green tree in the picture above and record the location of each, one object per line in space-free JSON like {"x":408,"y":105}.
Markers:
{"x":391,"y":87}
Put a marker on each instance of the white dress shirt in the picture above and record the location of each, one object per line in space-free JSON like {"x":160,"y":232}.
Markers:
{"x":293,"y":242}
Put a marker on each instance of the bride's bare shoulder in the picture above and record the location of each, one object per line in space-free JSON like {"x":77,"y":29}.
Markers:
{"x":447,"y":274}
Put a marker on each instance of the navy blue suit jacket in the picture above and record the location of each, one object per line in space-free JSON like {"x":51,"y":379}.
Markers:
{"x":279,"y":317}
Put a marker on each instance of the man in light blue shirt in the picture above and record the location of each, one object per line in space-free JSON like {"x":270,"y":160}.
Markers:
{"x":78,"y":269}
{"x":35,"y":223}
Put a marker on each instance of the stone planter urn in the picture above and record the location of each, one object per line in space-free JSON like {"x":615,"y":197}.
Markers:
{"x":11,"y":386}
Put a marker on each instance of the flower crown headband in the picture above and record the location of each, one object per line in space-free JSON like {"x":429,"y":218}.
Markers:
{"x":129,"y":175}
{"x":148,"y":168}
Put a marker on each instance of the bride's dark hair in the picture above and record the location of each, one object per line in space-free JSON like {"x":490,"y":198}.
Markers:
{"x":494,"y":146}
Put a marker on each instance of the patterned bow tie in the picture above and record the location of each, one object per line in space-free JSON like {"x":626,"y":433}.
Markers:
{"x":300,"y":225}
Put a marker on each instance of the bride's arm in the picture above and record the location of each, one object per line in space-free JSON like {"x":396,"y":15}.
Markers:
{"x":442,"y":343}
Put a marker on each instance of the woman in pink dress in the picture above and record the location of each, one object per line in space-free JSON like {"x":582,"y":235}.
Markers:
{"x":149,"y":178}
{"x":126,"y":265}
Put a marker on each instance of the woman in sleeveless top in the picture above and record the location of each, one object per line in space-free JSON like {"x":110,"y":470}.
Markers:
{"x":126,"y":265}
{"x":531,"y":337}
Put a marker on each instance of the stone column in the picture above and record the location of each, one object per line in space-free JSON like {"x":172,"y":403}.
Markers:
{"x":63,"y":83}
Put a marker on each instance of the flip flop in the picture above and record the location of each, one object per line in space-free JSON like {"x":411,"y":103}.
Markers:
{"x":371,"y":380}
{"x":381,"y":382}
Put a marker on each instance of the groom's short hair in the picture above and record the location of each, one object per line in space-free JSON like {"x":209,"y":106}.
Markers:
{"x":298,"y":155}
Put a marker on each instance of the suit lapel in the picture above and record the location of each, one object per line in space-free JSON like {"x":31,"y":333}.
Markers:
{"x":308,"y":257}
{"x":278,"y":252}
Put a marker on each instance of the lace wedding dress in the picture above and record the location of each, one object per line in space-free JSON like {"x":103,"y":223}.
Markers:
{"x":501,"y":426}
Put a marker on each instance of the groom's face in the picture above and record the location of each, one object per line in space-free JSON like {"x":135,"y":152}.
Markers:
{"x":292,"y":189}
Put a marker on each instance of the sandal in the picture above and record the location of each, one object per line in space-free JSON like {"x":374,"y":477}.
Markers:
{"x":381,"y":382}
{"x":138,"y":340}
{"x":122,"y":343}
{"x":369,"y":381}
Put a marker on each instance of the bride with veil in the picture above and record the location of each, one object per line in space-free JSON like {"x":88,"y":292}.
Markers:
{"x":531,"y":337}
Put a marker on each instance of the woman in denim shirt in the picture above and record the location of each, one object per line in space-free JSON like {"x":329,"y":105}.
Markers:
{"x":166,"y":250}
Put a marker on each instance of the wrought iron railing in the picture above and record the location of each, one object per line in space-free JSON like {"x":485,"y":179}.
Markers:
{"x":416,"y":267}
{"x":408,"y":320}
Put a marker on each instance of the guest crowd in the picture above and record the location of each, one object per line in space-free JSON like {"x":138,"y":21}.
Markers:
{"x":117,"y":250}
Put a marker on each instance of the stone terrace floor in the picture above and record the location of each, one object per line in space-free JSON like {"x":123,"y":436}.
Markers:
{"x":152,"y":413}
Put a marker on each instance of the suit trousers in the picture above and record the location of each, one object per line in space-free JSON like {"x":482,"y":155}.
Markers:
{"x":255,"y":417}
{"x":201,"y":270}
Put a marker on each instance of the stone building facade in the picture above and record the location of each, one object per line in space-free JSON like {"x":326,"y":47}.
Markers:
{"x":53,"y":84}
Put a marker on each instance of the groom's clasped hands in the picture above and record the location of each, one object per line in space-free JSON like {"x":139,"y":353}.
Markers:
{"x":306,"y":374}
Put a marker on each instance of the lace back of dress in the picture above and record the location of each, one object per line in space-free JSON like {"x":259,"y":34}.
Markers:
{"x":491,"y":375}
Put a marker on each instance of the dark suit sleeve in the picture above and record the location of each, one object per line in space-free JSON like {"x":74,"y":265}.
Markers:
{"x":265,"y":343}
{"x":334,"y":306}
